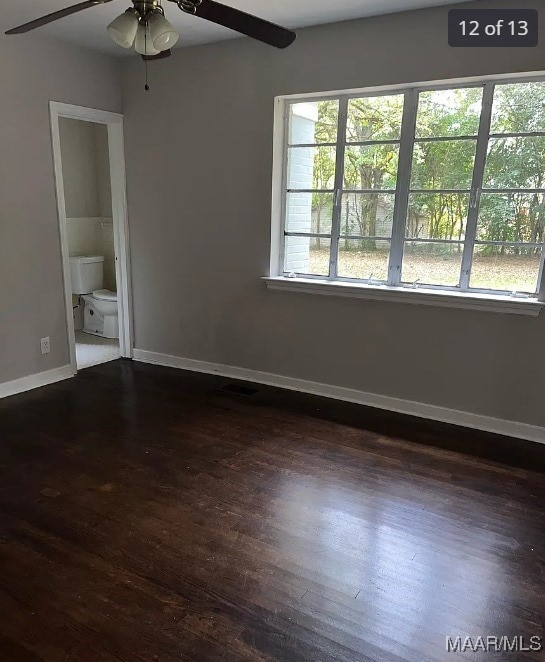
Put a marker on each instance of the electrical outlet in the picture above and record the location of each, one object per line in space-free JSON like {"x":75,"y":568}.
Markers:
{"x":45,"y":345}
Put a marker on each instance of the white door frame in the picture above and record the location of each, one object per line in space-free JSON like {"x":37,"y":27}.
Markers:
{"x":114,"y":122}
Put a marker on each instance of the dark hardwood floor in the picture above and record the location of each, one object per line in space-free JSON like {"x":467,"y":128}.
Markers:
{"x":147,"y":514}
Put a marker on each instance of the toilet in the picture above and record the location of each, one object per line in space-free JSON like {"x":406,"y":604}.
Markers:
{"x":100,"y":317}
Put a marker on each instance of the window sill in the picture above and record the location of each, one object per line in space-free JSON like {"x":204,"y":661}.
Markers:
{"x":420,"y":297}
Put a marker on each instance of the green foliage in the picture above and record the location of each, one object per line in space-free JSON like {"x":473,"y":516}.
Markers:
{"x":443,"y":165}
{"x":513,"y":162}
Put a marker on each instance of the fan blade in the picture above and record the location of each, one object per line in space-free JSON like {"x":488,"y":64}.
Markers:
{"x":161,"y":56}
{"x":27,"y":27}
{"x":237,"y":20}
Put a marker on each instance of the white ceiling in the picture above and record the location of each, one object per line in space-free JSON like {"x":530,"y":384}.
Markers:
{"x":88,"y":28}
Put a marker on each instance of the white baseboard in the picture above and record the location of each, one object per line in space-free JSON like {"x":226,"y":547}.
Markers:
{"x":420,"y":409}
{"x":35,"y":381}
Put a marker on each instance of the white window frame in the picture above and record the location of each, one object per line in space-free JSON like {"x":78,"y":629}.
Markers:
{"x":463,"y":296}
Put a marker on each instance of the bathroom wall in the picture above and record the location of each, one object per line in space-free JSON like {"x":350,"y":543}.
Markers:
{"x":108,"y":250}
{"x":103,"y":170}
{"x":87,"y":191}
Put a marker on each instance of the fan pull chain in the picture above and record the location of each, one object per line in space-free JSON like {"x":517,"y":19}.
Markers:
{"x":146,"y":87}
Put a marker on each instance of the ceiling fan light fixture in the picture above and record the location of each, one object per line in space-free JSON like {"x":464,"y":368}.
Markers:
{"x":143,"y":43}
{"x":162,"y":34}
{"x":124,"y":28}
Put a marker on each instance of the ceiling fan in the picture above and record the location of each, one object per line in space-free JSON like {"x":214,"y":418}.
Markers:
{"x":145,"y":27}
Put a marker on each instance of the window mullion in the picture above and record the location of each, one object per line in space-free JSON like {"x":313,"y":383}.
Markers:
{"x":541,"y":277}
{"x":284,"y":184}
{"x":477,"y":185}
{"x":406,"y":148}
{"x":339,"y":182}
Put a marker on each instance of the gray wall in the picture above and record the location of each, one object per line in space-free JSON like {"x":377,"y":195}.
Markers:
{"x":86,"y":168}
{"x":34,"y":71}
{"x":103,"y":170}
{"x":199,"y":187}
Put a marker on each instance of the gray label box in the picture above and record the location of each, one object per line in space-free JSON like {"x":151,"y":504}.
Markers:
{"x":493,"y":28}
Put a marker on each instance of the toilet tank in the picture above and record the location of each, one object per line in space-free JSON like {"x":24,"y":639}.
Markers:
{"x":87,"y":273}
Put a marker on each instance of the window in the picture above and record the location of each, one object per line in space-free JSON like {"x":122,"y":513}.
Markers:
{"x":435,"y":188}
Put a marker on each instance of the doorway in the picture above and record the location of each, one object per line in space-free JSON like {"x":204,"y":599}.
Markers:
{"x":89,"y":164}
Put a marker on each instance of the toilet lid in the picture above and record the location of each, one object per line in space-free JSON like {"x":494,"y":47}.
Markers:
{"x":105,"y":295}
